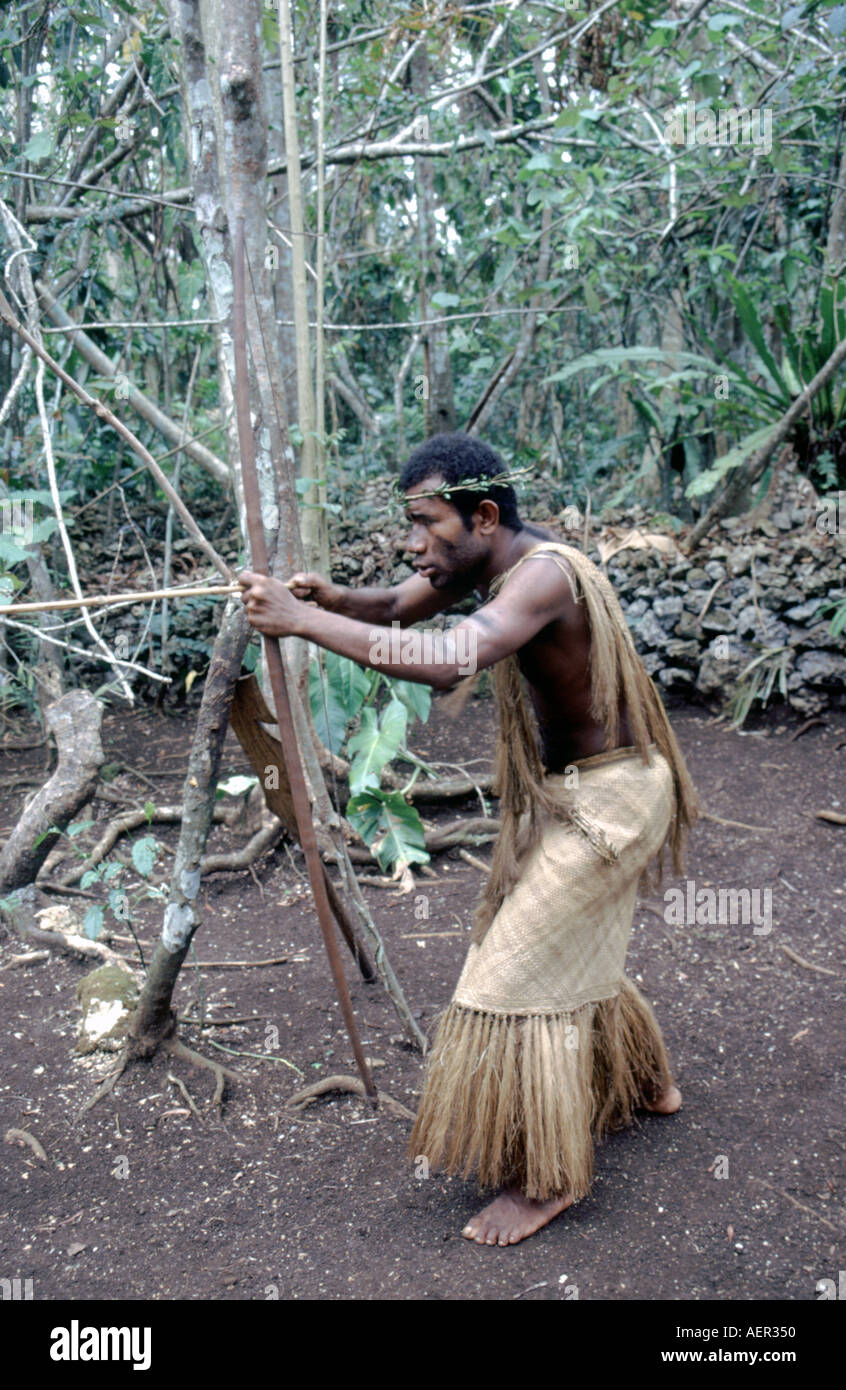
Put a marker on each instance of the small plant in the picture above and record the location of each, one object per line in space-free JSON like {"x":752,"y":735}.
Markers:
{"x":756,"y":682}
{"x":837,"y":608}
{"x":123,"y":896}
{"x":388,"y":824}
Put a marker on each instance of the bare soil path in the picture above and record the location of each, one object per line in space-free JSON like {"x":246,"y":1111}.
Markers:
{"x":741,"y":1195}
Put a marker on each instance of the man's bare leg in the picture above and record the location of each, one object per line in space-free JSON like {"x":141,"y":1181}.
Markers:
{"x":511,"y":1217}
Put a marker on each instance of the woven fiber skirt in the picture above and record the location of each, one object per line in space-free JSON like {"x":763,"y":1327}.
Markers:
{"x":546,"y":1045}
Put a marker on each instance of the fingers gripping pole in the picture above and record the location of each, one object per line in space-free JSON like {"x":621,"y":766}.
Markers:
{"x":276,"y":667}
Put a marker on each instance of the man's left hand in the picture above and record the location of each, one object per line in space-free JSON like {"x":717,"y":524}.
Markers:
{"x":271,"y":607}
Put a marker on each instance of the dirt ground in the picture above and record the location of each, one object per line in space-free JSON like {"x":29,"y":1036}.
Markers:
{"x":738,"y":1196}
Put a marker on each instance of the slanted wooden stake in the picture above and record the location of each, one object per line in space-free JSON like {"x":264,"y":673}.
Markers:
{"x":276,"y":665}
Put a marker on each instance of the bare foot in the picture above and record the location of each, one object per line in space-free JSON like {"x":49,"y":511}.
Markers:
{"x":511,"y":1217}
{"x":667,"y":1103}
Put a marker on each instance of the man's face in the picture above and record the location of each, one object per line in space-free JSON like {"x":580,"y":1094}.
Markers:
{"x":443,"y":548}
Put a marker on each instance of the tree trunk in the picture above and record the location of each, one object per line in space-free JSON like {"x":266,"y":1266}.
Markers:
{"x":74,"y":720}
{"x":154,"y":1019}
{"x":835,"y":251}
{"x":225,"y":130}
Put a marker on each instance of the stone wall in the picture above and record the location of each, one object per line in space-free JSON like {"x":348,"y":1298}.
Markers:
{"x":699,"y":621}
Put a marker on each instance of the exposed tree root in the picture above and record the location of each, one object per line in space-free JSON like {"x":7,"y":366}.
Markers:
{"x":351,"y":1085}
{"x":105,"y":1086}
{"x":71,"y":945}
{"x":23,"y":1136}
{"x":473,"y":861}
{"x":183,"y":1089}
{"x":174,"y":1048}
{"x":27,"y":958}
{"x":263,"y":840}
{"x":221,"y":1074}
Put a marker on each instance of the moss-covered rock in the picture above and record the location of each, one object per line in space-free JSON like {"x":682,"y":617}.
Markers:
{"x":107,"y":998}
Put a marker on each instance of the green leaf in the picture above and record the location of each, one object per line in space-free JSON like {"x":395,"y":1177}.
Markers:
{"x":10,"y":552}
{"x":591,"y":297}
{"x":389,"y":826}
{"x":375,"y":744}
{"x":718,"y":22}
{"x":90,"y":876}
{"x":416,"y":698}
{"x":39,"y":839}
{"x":92,"y":922}
{"x":755,"y":333}
{"x":336,"y":699}
{"x":621,"y":357}
{"x":39,"y":146}
{"x":444,"y":300}
{"x":790,"y":273}
{"x":78,"y":827}
{"x":149,"y":811}
{"x":708,"y":479}
{"x":144,"y":855}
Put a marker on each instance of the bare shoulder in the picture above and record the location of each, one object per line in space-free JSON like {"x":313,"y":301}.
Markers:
{"x":541,"y":579}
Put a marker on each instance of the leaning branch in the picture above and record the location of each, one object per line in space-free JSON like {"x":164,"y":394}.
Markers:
{"x":750,"y":471}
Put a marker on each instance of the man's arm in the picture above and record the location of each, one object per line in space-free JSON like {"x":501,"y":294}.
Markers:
{"x":534,"y":597}
{"x":409,"y":602}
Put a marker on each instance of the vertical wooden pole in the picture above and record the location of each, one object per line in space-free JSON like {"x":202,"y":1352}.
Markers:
{"x":276,"y":666}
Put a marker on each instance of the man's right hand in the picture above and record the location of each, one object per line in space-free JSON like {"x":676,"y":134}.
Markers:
{"x":314,"y":588}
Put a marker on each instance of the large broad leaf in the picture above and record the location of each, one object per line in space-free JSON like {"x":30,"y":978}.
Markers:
{"x":377,"y":741}
{"x":754,"y":331}
{"x":708,"y":479}
{"x":833,"y":318}
{"x":417,"y":698}
{"x":624,"y":356}
{"x":336,"y":698}
{"x":92,"y":922}
{"x":10,"y":552}
{"x":389,"y":826}
{"x":741,"y":379}
{"x":144,"y":855}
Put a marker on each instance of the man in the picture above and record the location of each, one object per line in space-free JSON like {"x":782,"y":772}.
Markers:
{"x":546,"y":1044}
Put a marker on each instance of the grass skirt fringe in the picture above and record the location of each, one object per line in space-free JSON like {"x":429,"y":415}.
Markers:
{"x":521,"y":1099}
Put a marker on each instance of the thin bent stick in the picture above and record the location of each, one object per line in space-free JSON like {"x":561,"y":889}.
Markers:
{"x":142,"y":596}
{"x":276,"y":665}
{"x":101,"y":600}
{"x":8,"y":316}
